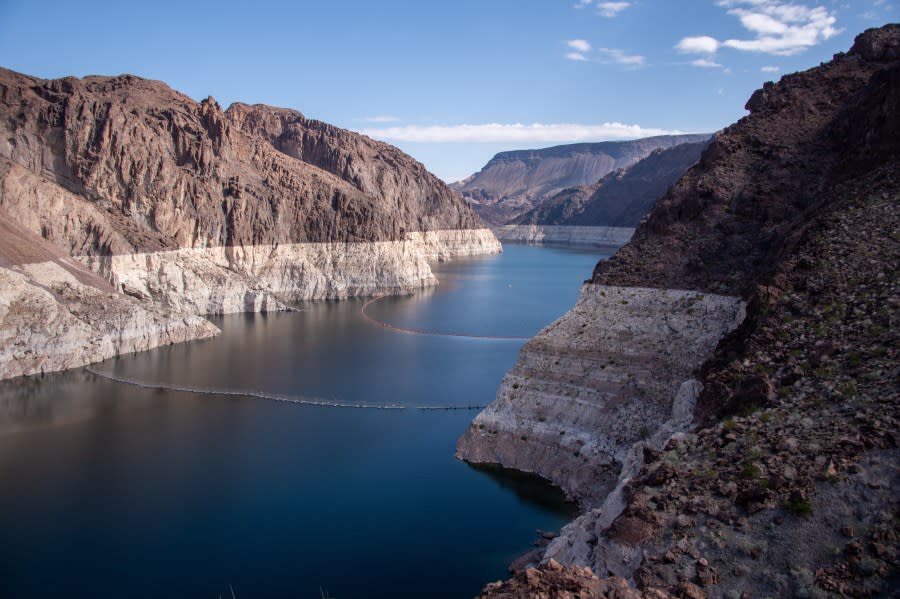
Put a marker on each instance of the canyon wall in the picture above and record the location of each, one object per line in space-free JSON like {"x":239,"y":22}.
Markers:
{"x":768,"y":466}
{"x":572,"y":235}
{"x":596,"y":381}
{"x":184,"y":209}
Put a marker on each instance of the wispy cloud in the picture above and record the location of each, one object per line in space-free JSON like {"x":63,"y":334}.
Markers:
{"x":617,"y":56}
{"x":581,"y":50}
{"x":778,"y":27}
{"x":515,"y":133}
{"x":705,"y":63}
{"x":770,"y":69}
{"x":611,"y":9}
{"x":604,"y":9}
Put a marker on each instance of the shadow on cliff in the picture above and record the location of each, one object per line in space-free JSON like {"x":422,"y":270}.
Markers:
{"x":529,"y":488}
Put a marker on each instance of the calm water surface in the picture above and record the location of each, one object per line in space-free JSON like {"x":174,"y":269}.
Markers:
{"x":111,"y":490}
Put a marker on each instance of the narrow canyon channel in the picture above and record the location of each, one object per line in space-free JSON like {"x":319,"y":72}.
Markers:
{"x":234,"y":461}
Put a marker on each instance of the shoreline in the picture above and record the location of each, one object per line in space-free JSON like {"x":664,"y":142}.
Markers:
{"x":71,"y":312}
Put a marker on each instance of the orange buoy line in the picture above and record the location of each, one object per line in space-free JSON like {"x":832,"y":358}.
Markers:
{"x":430,"y":332}
{"x":309,"y":401}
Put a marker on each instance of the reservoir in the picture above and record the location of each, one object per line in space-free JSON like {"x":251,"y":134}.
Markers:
{"x":112,"y":489}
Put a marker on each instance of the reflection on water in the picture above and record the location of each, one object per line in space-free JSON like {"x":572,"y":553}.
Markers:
{"x":37,"y":402}
{"x":530,"y":488}
{"x":108,"y":489}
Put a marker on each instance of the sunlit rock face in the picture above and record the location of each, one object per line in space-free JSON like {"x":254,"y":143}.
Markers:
{"x":182,"y":209}
{"x":597,"y":380}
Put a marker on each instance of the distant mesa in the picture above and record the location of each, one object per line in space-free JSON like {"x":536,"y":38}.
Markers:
{"x":623,"y":197}
{"x":513,"y":183}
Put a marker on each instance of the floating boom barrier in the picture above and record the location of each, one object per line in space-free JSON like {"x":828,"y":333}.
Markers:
{"x":295,"y":399}
{"x":430,"y":332}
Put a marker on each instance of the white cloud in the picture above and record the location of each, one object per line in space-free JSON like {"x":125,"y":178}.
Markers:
{"x":770,"y":69}
{"x":381,"y":118}
{"x":705,"y":63}
{"x":617,"y":56}
{"x":514,"y":133}
{"x":580,"y":49}
{"x":760,"y":23}
{"x":778,"y":27}
{"x":579,"y":45}
{"x":604,"y":9}
{"x":611,"y":9}
{"x":702,"y":44}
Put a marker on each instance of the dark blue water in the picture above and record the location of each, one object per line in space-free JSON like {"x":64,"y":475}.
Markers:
{"x":111,"y":490}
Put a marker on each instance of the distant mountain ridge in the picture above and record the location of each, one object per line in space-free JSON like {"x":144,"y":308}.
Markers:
{"x":514,"y":182}
{"x":621,"y":198}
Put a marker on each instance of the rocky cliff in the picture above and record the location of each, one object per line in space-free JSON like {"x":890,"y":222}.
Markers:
{"x":607,"y":237}
{"x":189,"y":209}
{"x":621,"y":198}
{"x":776,"y":473}
{"x":512,"y":183}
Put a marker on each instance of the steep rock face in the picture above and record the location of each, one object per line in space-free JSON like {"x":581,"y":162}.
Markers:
{"x":621,"y":198}
{"x":795,"y":208}
{"x":512,"y":183}
{"x":725,"y":225}
{"x":596,"y":381}
{"x":153,"y":170}
{"x":189,"y":209}
{"x":54,"y":314}
{"x":408,"y":192}
{"x":174,"y":173}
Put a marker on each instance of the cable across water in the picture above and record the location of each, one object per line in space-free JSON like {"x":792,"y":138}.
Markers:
{"x":297,"y":399}
{"x":430,"y":332}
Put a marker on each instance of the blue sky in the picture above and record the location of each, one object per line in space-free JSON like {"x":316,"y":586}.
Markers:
{"x":452,"y":83}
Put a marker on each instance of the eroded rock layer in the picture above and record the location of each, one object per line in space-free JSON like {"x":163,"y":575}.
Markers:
{"x":569,"y":235}
{"x":596,"y":381}
{"x":787,"y":483}
{"x":184,"y":209}
{"x":55,"y":314}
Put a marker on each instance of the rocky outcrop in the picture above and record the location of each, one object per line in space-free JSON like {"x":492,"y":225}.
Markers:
{"x":787,"y":481}
{"x":50,"y":321}
{"x":596,"y":381}
{"x":735,"y":216}
{"x":538,"y":234}
{"x":268,"y":277}
{"x":621,"y":198}
{"x":448,"y":244}
{"x":188,"y":209}
{"x":54,"y":314}
{"x":188,"y":174}
{"x":570,"y":582}
{"x":512,"y":183}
